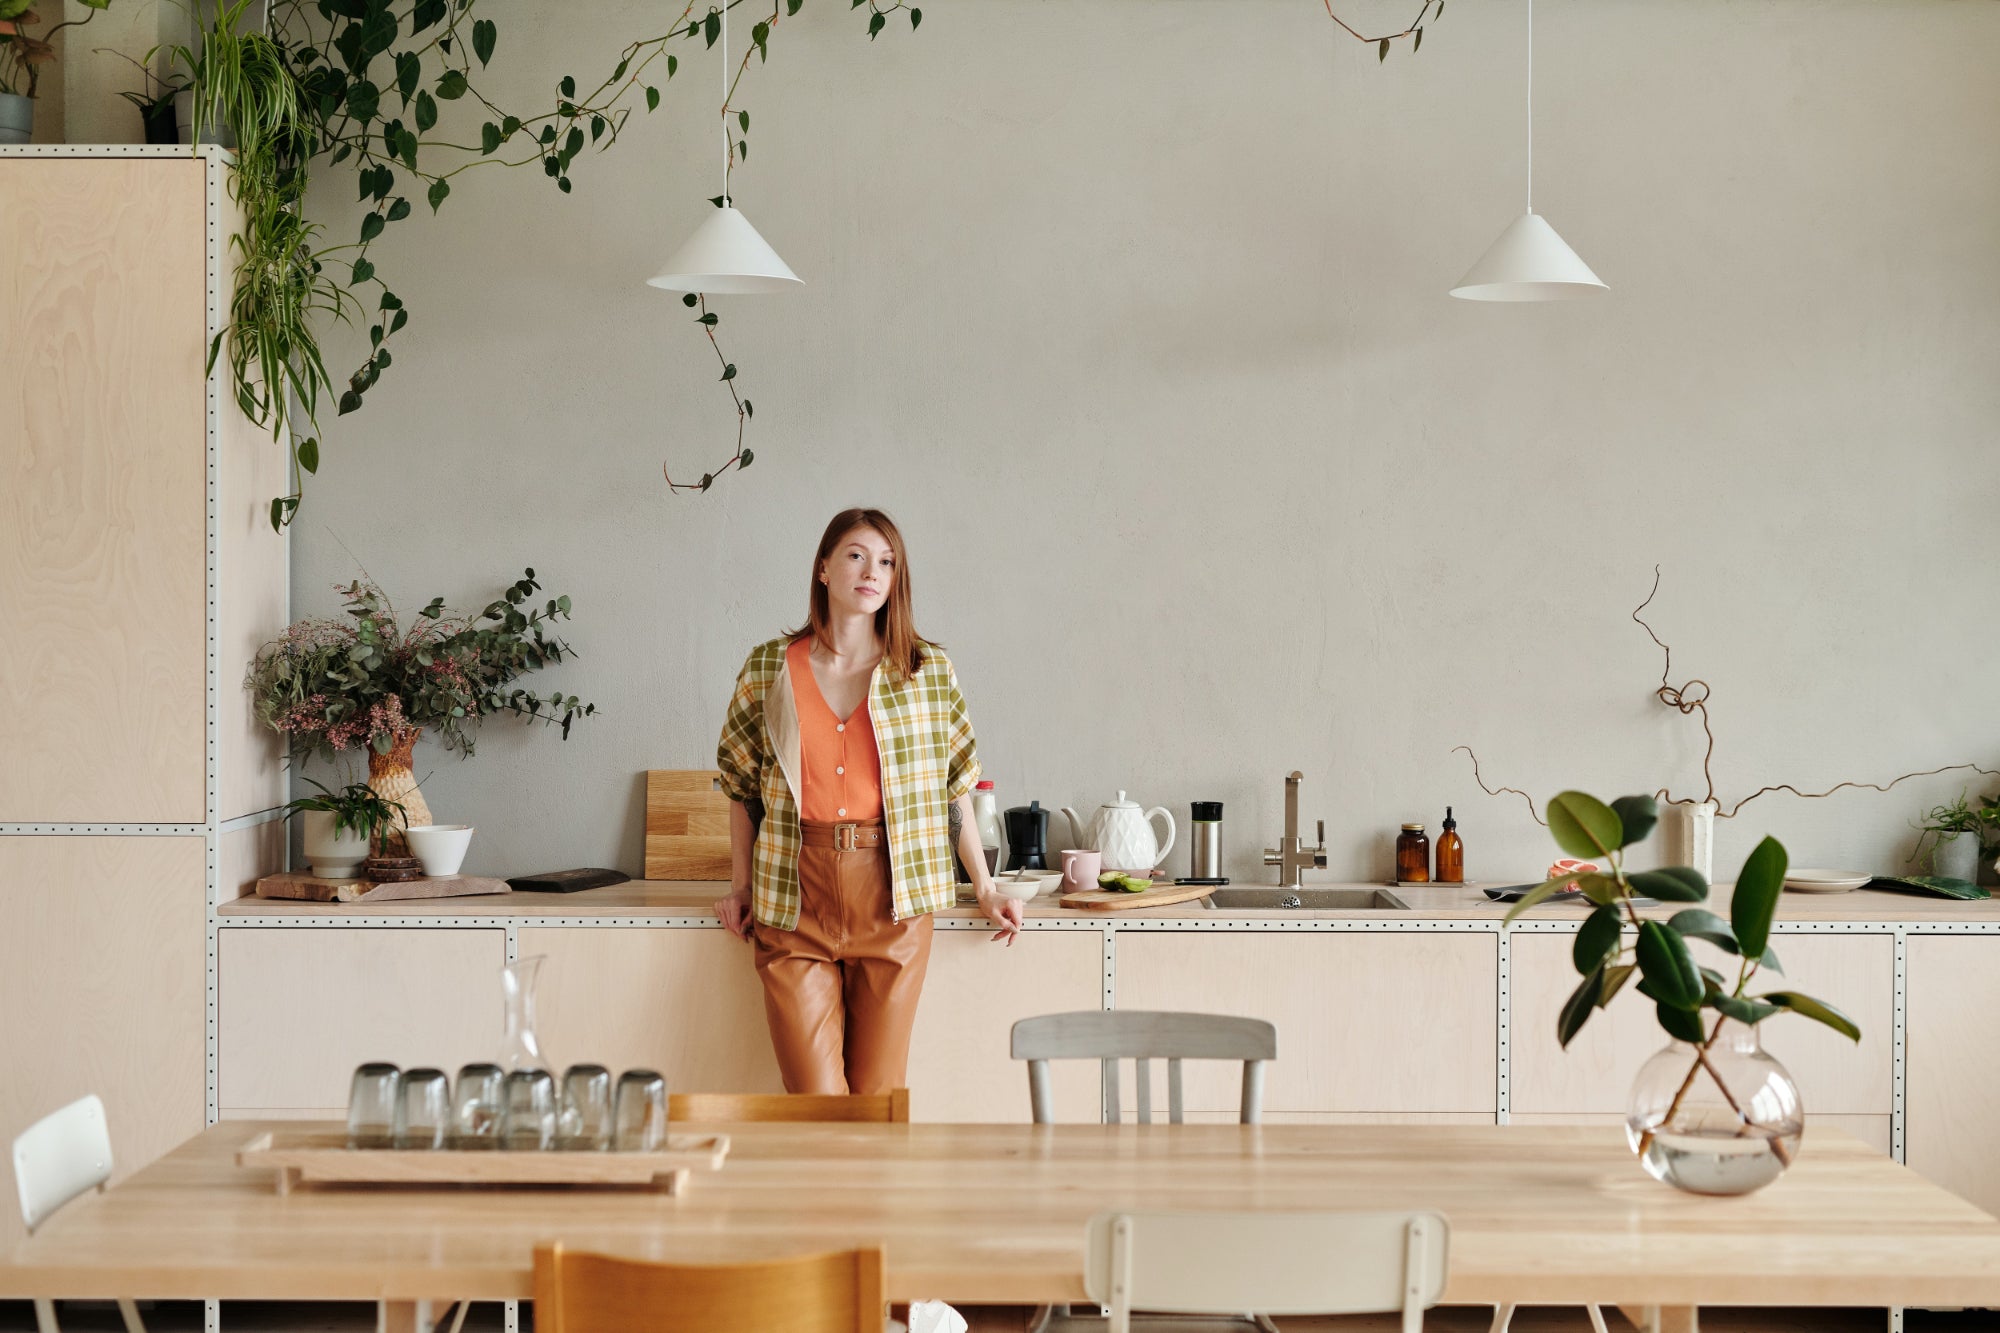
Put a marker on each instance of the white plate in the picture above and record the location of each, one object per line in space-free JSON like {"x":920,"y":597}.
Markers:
{"x":1802,"y":880}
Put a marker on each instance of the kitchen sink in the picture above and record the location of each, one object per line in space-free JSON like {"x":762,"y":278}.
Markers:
{"x":1273,"y":898}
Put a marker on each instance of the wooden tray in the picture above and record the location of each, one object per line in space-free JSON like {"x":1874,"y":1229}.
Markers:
{"x":298,"y":884}
{"x":323,"y":1157}
{"x":1117,"y":900}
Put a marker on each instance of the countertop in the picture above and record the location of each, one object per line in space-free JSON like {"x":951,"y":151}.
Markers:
{"x":669,"y":899}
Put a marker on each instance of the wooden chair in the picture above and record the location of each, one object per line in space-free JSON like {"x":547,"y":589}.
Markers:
{"x":1283,"y":1263}
{"x":1141,"y":1036}
{"x":56,"y":1159}
{"x":844,"y":1292}
{"x":891,"y":1107}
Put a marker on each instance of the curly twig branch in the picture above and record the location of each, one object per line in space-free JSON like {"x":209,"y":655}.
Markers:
{"x":1495,"y":791}
{"x":1681,"y":698}
{"x":1838,"y":786}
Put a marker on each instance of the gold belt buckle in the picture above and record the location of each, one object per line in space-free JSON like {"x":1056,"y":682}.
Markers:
{"x":843,"y":837}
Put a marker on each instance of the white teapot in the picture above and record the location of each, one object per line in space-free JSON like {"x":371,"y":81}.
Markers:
{"x":1123,"y":833}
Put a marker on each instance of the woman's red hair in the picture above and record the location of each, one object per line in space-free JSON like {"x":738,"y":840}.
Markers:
{"x":902,"y":649}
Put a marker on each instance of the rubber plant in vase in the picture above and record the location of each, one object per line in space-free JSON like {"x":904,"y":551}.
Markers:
{"x":1713,"y":1112}
{"x":367,"y":683}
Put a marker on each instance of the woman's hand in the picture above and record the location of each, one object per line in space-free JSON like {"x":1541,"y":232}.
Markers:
{"x":734,"y":913}
{"x":1002,"y":912}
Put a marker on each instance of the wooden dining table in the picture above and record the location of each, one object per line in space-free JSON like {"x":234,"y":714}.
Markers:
{"x":995,"y":1214}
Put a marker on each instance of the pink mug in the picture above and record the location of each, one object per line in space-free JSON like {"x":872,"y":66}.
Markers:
{"x":1081,"y":868}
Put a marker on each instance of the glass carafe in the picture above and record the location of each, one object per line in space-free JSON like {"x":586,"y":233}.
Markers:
{"x":521,"y":1049}
{"x":1724,"y":1121}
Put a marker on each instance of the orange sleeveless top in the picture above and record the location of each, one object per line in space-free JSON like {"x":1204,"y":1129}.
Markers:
{"x":843,"y":768}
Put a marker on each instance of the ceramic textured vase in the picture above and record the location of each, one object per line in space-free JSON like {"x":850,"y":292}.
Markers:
{"x":17,"y":118}
{"x":389,"y":774}
{"x":1689,"y":835}
{"x":1728,"y":1122}
{"x":333,"y":855}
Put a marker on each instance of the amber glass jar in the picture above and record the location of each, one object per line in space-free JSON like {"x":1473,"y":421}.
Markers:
{"x":1413,"y":856}
{"x":1450,"y":852}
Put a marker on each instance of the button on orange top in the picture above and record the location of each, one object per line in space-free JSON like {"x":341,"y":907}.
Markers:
{"x":843,"y":769}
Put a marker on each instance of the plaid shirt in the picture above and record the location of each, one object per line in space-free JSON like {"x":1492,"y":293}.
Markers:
{"x":925,"y":740}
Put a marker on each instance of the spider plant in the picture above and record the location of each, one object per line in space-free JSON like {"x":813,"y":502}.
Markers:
{"x":355,"y":807}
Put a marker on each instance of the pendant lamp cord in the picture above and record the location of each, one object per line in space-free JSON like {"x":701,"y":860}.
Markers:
{"x":1531,"y":106}
{"x":725,"y":93}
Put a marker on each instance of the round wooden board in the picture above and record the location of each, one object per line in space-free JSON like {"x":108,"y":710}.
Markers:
{"x":1117,"y":900}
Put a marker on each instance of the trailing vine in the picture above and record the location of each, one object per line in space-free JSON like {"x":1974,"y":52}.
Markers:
{"x":363,"y":84}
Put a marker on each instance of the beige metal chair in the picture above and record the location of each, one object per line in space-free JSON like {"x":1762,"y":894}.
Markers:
{"x":57,"y":1158}
{"x":1143,"y":1036}
{"x":1282,"y":1263}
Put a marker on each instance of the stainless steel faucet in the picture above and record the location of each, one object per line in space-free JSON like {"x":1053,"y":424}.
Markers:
{"x":1291,"y":855}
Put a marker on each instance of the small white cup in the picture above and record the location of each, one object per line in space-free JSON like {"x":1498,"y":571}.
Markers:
{"x":440,"y":847}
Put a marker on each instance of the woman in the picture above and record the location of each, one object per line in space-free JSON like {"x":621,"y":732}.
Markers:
{"x":845,"y":746}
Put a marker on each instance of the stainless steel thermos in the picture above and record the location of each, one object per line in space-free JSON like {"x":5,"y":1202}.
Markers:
{"x":1205,"y":846}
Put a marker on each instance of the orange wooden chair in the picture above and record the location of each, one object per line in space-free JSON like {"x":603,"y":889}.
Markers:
{"x":843,"y":1292}
{"x":891,"y":1107}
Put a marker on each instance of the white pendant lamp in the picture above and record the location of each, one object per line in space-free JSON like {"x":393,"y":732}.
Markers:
{"x":726,"y":256}
{"x":1529,"y":262}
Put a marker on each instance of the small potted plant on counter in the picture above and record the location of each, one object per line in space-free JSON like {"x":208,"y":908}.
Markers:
{"x":344,"y":828}
{"x":1713,"y":1112}
{"x":22,"y":55}
{"x":1952,"y":839}
{"x":154,"y":98}
{"x":368,"y":682}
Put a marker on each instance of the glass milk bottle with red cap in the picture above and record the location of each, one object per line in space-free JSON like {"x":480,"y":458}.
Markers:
{"x":986,"y":816}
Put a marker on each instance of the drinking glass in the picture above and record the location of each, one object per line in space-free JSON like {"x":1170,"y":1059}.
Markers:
{"x":371,"y":1105}
{"x":586,"y":1109}
{"x":529,"y":1096}
{"x":476,"y":1107}
{"x":423,"y":1109}
{"x":641,"y":1123}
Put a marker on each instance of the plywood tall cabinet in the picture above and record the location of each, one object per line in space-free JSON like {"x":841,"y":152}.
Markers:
{"x":137,"y":576}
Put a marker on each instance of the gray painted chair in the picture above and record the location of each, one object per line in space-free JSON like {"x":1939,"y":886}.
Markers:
{"x":1142,"y":1037}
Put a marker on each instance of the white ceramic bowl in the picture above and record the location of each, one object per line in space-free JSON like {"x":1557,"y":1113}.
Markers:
{"x":1024,"y":887}
{"x":441,"y":847}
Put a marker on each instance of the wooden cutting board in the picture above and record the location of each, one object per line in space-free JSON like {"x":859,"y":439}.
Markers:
{"x":298,"y":885}
{"x":1117,"y":900}
{"x":687,"y":824}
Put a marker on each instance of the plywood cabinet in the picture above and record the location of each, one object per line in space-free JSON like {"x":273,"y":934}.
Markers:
{"x":1382,"y":1023}
{"x":1854,"y":972}
{"x":1953,"y":1083}
{"x":298,"y":1009}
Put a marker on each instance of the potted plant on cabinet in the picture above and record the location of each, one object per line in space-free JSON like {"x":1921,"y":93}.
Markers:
{"x":1712,"y":1113}
{"x":368,"y":683}
{"x":343,"y":828}
{"x":155,"y":98}
{"x":22,"y":55}
{"x":1952,"y":838}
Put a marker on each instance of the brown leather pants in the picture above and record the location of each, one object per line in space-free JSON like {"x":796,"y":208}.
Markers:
{"x":840,"y":991}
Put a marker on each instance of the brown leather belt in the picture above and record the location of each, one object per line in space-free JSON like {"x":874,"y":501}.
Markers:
{"x":848,"y":837}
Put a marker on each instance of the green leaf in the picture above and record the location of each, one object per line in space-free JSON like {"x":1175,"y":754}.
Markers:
{"x":1743,"y":1011}
{"x":1684,"y":1024}
{"x":1541,"y":893}
{"x":1670,"y":971}
{"x":1615,"y":978}
{"x":744,"y":461}
{"x":1817,"y":1010}
{"x":277,"y":520}
{"x":916,"y":17}
{"x":876,"y":23}
{"x":596,"y":127}
{"x":509,"y":125}
{"x":568,"y":86}
{"x":1597,"y":940}
{"x":1583,"y":825}
{"x":427,"y":14}
{"x":427,"y":112}
{"x":400,"y":318}
{"x":1941,"y":885}
{"x":484,"y":34}
{"x":652,"y":98}
{"x":1701,"y":924}
{"x":743,"y":119}
{"x":1577,"y":1008}
{"x":759,"y":36}
{"x":1637,"y":815}
{"x":673,"y":63}
{"x":743,"y":149}
{"x":489,"y":138}
{"x":409,"y":69}
{"x":689,"y":299}
{"x":1770,"y":960}
{"x":309,"y":454}
{"x":711,"y":27}
{"x":1600,"y":889}
{"x":573,"y":142}
{"x":792,"y":6}
{"x":1756,"y":898}
{"x":371,"y":226}
{"x":349,"y":402}
{"x":1418,"y":44}
{"x":729,"y":372}
{"x":1382,"y":51}
{"x":748,"y":411}
{"x":399,"y":210}
{"x":562,"y":183}
{"x":363,"y":99}
{"x":709,"y":319}
{"x":363,"y":270}
{"x":453,"y":85}
{"x":439,"y":189}
{"x":1675,"y":884}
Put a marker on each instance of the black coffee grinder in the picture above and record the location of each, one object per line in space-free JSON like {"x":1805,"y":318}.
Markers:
{"x":1027,"y":837}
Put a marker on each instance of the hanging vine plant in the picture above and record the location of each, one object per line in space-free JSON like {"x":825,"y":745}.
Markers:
{"x":361,"y":85}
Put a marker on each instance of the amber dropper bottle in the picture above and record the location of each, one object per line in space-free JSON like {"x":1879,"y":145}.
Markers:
{"x":1450,"y":853}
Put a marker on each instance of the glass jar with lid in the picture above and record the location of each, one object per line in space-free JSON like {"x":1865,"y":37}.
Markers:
{"x":1413,"y":856}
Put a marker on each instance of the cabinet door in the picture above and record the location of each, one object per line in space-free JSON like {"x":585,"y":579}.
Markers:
{"x":960,"y":1066}
{"x":1953,"y":993}
{"x":683,"y":1000}
{"x":102,"y":501}
{"x":102,"y":981}
{"x":1856,"y":973}
{"x":298,"y":1009}
{"x":1391,"y":1022}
